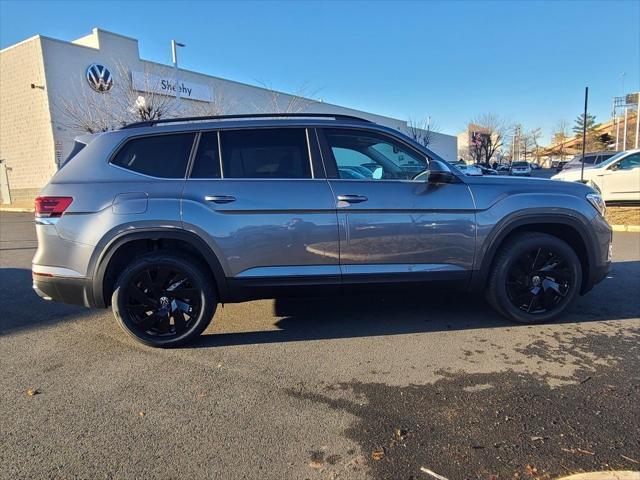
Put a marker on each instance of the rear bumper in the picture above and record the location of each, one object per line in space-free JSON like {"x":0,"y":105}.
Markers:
{"x":75,"y":291}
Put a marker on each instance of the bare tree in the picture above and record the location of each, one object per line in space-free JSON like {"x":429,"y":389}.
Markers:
{"x":85,"y":110}
{"x":423,"y":131}
{"x":526,"y":144}
{"x":490,"y":131}
{"x":560,"y":138}
{"x":278,"y":102}
{"x":220,"y":105}
{"x":536,"y":135}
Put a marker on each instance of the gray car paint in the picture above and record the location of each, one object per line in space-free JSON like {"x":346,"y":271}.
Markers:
{"x":291,"y":228}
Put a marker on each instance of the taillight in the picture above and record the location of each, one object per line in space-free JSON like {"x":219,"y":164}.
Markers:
{"x":52,"y":206}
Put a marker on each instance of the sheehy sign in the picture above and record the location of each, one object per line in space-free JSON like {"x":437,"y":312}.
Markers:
{"x":166,"y":85}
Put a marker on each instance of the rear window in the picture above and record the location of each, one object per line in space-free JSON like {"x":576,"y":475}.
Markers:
{"x":163,"y":156}
{"x":265,"y":153}
{"x":520,"y":164}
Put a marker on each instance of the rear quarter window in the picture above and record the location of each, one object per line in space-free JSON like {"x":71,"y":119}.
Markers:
{"x":164,"y":156}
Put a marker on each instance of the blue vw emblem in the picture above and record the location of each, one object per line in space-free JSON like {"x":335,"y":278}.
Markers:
{"x":99,"y":77}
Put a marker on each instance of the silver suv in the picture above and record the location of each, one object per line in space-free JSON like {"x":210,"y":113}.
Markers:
{"x":164,"y":220}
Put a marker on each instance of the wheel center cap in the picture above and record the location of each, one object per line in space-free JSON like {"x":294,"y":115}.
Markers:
{"x":164,"y":301}
{"x":535,"y":281}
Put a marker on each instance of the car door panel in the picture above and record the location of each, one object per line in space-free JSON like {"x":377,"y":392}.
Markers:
{"x":264,"y":227}
{"x":398,"y":227}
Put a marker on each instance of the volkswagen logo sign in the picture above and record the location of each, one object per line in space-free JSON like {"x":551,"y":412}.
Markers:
{"x":99,"y":77}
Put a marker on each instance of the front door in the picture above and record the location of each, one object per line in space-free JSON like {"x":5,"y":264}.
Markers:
{"x":269,"y":215}
{"x":394,"y":226}
{"x":621,"y":181}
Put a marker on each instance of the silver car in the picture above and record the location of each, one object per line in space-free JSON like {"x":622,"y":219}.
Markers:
{"x":163,"y":220}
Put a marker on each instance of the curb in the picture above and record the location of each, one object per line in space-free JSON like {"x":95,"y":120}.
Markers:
{"x":625,"y":228}
{"x":17,"y":209}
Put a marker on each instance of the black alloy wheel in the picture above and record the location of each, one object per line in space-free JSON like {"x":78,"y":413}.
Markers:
{"x":535,"y":277}
{"x":538,"y":280}
{"x":163,"y":299}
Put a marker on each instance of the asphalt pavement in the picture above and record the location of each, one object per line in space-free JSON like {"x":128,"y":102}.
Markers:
{"x":349,"y":387}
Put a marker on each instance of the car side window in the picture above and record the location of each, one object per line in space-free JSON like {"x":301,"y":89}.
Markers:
{"x":163,"y":156}
{"x":362,"y":155}
{"x":207,"y":161}
{"x":632,"y":161}
{"x":265,"y":153}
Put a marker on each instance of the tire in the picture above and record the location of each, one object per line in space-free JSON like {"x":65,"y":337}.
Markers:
{"x":534,"y":262}
{"x":163,"y":299}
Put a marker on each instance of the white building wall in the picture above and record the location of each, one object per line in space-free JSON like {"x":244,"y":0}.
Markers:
{"x":26,"y":142}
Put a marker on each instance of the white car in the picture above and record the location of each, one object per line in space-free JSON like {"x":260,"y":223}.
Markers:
{"x":520,"y":168}
{"x":616,"y":179}
{"x":470,"y":170}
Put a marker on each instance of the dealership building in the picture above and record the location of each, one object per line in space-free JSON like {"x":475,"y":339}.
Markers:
{"x":53,"y":90}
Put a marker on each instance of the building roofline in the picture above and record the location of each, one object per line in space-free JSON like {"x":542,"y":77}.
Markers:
{"x":34,"y":37}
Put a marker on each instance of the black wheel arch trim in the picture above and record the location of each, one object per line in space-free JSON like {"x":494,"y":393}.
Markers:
{"x":117,"y":238}
{"x":508,"y":224}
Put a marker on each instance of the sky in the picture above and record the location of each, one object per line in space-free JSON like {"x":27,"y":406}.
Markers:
{"x":526,"y":61}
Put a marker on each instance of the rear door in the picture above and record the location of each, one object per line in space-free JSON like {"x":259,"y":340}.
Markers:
{"x":394,"y":226}
{"x":266,"y":208}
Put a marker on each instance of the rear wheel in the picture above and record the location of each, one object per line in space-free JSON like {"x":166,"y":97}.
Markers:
{"x":164,"y":300}
{"x":535,"y":278}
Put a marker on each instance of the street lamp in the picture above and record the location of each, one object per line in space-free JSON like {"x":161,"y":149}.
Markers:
{"x":174,"y":55}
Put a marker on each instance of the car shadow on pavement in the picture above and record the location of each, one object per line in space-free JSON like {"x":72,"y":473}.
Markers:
{"x":22,"y":309}
{"x":422,"y":311}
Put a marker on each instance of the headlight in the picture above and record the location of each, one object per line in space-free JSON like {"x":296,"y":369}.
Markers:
{"x":598,"y":203}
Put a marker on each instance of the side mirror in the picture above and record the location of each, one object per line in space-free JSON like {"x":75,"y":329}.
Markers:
{"x":440,"y":176}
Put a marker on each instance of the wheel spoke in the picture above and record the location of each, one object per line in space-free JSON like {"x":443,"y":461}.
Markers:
{"x":161,"y":278}
{"x":179,"y":320}
{"x":138,"y":295}
{"x":150,"y":321}
{"x":187,"y":293}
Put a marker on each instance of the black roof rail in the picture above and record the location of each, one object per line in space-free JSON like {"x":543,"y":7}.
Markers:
{"x":151,"y":123}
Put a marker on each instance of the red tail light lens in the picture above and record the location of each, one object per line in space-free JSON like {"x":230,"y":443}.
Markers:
{"x":52,"y":206}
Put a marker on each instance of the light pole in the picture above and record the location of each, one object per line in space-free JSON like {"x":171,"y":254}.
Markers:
{"x":174,"y":55}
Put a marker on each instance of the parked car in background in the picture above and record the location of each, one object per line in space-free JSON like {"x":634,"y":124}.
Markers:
{"x":485,"y":170}
{"x":534,"y":166}
{"x":503,"y":168}
{"x":558,"y":164}
{"x":163,"y":220}
{"x":590,"y":159}
{"x":616,"y":179}
{"x":469,"y":169}
{"x":520,"y":169}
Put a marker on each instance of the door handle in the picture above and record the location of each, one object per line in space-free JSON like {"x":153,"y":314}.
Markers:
{"x":220,"y":198}
{"x":352,"y":198}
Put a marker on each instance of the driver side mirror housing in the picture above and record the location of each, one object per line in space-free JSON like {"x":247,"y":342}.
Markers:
{"x":441,"y":176}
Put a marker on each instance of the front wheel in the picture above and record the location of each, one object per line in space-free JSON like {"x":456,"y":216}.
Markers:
{"x":535,"y":278}
{"x":164,"y":300}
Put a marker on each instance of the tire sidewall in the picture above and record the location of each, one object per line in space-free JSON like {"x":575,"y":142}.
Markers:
{"x":196,"y":275}
{"x":518,"y":248}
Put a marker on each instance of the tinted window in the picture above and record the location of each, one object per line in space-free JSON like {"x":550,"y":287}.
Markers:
{"x":163,"y":156}
{"x":363,"y":155}
{"x":207,"y":161}
{"x":265,"y":153}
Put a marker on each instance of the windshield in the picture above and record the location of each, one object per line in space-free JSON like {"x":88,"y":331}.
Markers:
{"x":609,"y":161}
